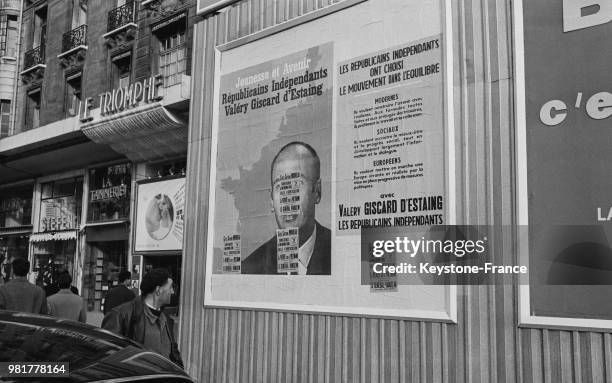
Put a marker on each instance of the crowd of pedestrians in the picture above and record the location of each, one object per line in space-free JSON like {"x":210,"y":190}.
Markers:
{"x":139,"y":318}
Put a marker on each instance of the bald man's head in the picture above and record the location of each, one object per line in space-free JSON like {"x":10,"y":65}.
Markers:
{"x":296,"y":187}
{"x":298,"y":151}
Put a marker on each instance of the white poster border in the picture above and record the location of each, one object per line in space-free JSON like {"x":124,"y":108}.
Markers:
{"x":451,"y":314}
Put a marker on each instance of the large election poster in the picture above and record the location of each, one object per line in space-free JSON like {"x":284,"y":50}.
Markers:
{"x":565,"y":122}
{"x":160,"y":216}
{"x":301,"y":147}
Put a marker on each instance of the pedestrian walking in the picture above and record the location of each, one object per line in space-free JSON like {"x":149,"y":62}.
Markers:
{"x":142,"y":319}
{"x":119,"y":294}
{"x":20,"y":295}
{"x":65,"y":304}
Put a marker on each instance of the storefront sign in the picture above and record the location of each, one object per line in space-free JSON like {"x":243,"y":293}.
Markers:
{"x":114,"y":192}
{"x":58,"y":214}
{"x":120,"y":99}
{"x":160,"y":216}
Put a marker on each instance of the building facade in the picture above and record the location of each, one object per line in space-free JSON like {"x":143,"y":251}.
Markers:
{"x":445,"y":109}
{"x":10,"y":12}
{"x":100,"y":129}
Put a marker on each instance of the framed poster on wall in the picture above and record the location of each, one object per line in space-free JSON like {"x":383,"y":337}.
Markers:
{"x":563,"y":162}
{"x":309,"y":135}
{"x":159,"y":216}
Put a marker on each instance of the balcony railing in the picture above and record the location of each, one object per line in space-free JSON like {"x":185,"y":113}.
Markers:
{"x":121,"y":16}
{"x":34,"y":57}
{"x":74,"y":38}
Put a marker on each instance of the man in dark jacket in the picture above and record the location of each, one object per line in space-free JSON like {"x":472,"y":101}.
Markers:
{"x":142,"y":319}
{"x":119,"y":294}
{"x":21,"y":295}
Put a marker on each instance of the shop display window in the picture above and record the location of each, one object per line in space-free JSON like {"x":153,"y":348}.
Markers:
{"x":16,"y":207}
{"x":11,"y":247}
{"x":166,"y":169}
{"x":105,"y":261}
{"x":61,"y":205}
{"x":52,"y":258}
{"x":109,"y":193}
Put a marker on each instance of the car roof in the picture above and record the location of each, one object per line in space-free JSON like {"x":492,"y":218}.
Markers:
{"x":92,"y":353}
{"x":54,"y":322}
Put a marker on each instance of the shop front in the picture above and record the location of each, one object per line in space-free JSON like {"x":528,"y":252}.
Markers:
{"x":55,"y":241}
{"x":106,"y":231}
{"x":15,"y":225}
{"x":135,"y":208}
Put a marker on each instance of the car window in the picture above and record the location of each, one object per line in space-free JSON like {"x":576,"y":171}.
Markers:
{"x":25,"y":343}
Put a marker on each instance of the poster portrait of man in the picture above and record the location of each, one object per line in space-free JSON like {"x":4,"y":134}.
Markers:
{"x":272,"y":209}
{"x":295,"y":193}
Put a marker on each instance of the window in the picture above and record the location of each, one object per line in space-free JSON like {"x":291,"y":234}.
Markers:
{"x":60,"y":205}
{"x":32,"y":113}
{"x":79,"y":13}
{"x":5,"y":118}
{"x":72,"y":94}
{"x":16,"y":206}
{"x":40,"y":28}
{"x":109,"y":193}
{"x":172,"y":58}
{"x":8,"y":35}
{"x":122,"y":68}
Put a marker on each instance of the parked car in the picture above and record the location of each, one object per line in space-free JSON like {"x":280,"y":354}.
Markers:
{"x":93,"y":354}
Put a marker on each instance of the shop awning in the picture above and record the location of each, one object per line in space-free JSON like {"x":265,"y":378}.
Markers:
{"x":141,"y":134}
{"x":17,"y":230}
{"x":53,"y":236}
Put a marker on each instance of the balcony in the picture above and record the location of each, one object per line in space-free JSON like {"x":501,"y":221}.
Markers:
{"x":33,"y":65}
{"x":34,"y":57}
{"x":74,"y":47}
{"x":121,"y":25}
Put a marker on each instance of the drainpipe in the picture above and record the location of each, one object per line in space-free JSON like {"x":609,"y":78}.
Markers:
{"x":17,"y":66}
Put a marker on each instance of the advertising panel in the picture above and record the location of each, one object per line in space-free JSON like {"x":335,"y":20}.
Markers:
{"x":313,"y":135}
{"x":160,"y":216}
{"x":564,"y":109}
